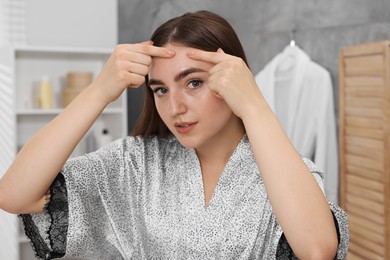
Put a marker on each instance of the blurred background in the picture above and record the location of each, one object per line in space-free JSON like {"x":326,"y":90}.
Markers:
{"x":56,"y":40}
{"x":320,"y":28}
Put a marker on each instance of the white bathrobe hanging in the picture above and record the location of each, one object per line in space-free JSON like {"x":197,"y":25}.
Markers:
{"x":300,"y":93}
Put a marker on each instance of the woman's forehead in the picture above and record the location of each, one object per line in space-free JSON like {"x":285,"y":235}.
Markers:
{"x":162,"y":67}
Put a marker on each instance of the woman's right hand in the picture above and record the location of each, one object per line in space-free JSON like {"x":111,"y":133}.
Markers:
{"x":127,"y":67}
{"x":24,"y":186}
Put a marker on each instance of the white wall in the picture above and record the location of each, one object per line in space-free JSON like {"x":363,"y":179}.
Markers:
{"x":77,"y":23}
{"x":8,"y":236}
{"x":58,"y":23}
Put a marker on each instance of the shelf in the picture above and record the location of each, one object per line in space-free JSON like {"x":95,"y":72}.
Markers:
{"x":56,"y":111}
{"x":27,"y":112}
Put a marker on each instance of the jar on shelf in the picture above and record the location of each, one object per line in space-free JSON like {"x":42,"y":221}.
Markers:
{"x":77,"y":81}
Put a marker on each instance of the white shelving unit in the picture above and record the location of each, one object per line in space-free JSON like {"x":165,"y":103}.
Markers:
{"x":45,"y":37}
{"x":33,"y":62}
{"x":25,"y":67}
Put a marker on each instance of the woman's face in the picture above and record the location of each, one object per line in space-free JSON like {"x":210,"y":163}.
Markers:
{"x":184,"y":102}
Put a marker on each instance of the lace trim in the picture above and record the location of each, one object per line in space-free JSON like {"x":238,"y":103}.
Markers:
{"x":284,"y":250}
{"x":37,"y":242}
{"x":57,"y":209}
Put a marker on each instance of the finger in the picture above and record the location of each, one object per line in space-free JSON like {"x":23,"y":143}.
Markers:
{"x":139,"y":69}
{"x":217,"y":95}
{"x":220,"y":50}
{"x":139,"y":58}
{"x":149,"y":42}
{"x":136,"y":80}
{"x":213,"y":57}
{"x":156,"y":51}
{"x":212,"y":83}
{"x":148,"y":49}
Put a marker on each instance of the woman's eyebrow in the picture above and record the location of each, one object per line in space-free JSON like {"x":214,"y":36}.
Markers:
{"x":155,"y":82}
{"x":186,"y":72}
{"x":178,"y":77}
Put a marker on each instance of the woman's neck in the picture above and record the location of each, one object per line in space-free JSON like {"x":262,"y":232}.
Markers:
{"x":219,"y":150}
{"x":213,"y":158}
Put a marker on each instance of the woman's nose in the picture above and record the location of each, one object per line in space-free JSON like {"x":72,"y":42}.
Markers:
{"x":177,"y":103}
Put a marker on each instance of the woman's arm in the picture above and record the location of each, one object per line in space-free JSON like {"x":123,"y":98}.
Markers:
{"x":297,"y":200}
{"x":24,"y":185}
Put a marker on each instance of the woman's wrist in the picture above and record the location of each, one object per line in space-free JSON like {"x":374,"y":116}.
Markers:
{"x":96,"y":96}
{"x":257,"y":111}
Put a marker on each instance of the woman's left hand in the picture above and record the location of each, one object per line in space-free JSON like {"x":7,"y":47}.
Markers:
{"x":231,"y":79}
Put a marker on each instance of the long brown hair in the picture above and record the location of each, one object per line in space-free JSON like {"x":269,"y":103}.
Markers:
{"x":201,"y":30}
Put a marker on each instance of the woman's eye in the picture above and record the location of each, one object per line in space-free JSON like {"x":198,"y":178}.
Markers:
{"x":160,"y":91}
{"x":195,"y":83}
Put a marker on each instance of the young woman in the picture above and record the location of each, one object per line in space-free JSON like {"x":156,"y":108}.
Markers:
{"x":208,"y":174}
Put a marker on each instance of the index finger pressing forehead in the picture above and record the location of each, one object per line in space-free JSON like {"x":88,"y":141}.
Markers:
{"x":156,"y":51}
{"x":213,"y":57}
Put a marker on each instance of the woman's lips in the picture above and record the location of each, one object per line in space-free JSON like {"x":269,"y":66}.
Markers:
{"x":185,"y":127}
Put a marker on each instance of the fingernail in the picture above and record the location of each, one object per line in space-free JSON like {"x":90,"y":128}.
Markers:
{"x":191,"y":53}
{"x":170,"y":52}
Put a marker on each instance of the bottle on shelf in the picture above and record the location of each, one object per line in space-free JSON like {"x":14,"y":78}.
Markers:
{"x":46,"y":97}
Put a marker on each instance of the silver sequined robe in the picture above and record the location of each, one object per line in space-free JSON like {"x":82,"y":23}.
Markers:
{"x":142,"y":198}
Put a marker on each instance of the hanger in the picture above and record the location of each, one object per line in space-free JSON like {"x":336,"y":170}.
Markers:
{"x":290,"y":52}
{"x":292,"y":38}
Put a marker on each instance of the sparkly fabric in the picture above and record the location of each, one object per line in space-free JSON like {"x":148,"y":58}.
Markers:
{"x":143,"y":199}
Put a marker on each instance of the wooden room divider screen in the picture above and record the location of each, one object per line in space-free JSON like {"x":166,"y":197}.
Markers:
{"x":364,"y":115}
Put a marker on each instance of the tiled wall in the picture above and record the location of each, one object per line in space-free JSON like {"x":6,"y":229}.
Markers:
{"x":265,"y":26}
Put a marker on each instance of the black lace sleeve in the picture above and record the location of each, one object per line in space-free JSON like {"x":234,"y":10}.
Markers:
{"x":284,"y":250}
{"x":56,"y":209}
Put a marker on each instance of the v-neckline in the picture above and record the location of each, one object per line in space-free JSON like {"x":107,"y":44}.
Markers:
{"x":201,"y":187}
{"x":199,"y":179}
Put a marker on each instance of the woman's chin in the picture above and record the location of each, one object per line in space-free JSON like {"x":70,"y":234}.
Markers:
{"x":188,"y":143}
